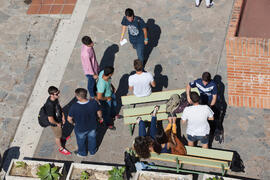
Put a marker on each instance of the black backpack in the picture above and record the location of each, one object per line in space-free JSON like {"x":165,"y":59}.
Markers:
{"x":130,"y":160}
{"x":43,"y":118}
{"x":237,"y":164}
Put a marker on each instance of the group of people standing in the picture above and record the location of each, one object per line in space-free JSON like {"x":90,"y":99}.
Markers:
{"x":86,"y":113}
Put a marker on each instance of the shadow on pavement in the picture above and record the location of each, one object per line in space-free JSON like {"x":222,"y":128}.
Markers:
{"x":160,"y":79}
{"x":9,"y":154}
{"x":109,"y":56}
{"x":153,"y":32}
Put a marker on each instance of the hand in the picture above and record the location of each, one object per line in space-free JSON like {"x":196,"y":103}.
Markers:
{"x":59,"y":125}
{"x":145,"y":42}
{"x":63,"y":120}
{"x":95,"y":76}
{"x":109,"y":98}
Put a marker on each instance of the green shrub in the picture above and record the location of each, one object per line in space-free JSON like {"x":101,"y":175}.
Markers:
{"x":48,"y":172}
{"x":116,"y":173}
{"x":84,"y":175}
{"x":21,"y":164}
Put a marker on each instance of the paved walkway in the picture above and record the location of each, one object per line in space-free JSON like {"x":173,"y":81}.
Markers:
{"x":186,"y":41}
{"x":24,"y":43}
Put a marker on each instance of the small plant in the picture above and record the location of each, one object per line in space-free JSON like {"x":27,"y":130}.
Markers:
{"x":48,"y":172}
{"x":21,"y":164}
{"x":84,"y":175}
{"x":116,"y":173}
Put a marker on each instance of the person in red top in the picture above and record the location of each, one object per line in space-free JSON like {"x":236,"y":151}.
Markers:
{"x":89,"y":64}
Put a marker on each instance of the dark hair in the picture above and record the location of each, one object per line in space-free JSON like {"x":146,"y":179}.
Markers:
{"x":194,"y":96}
{"x":142,"y":145}
{"x":52,"y":90}
{"x":129,"y":12}
{"x":138,"y":66}
{"x":161,"y":137}
{"x":206,"y":76}
{"x":86,"y":40}
{"x":81,"y":92}
{"x":108,"y":70}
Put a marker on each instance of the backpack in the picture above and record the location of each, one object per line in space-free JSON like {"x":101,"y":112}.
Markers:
{"x":237,"y":164}
{"x":130,"y":160}
{"x":183,"y":103}
{"x":172,"y":103}
{"x":43,"y":118}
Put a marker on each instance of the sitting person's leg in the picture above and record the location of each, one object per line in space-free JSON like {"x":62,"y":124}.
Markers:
{"x":142,"y":129}
{"x":153,"y":126}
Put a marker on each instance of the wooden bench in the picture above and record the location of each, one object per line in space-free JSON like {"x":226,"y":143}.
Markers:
{"x":197,"y":156}
{"x":131,"y":113}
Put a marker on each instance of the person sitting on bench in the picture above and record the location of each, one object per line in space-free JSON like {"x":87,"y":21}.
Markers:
{"x":158,"y":142}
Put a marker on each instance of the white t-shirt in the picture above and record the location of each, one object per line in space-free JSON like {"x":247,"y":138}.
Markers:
{"x":141,"y":84}
{"x":196,"y":116}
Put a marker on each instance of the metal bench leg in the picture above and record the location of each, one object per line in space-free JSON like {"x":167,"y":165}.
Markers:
{"x":131,"y":128}
{"x":223,"y":169}
{"x":178,"y":165}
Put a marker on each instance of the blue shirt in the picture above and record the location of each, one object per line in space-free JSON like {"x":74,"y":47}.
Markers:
{"x":206,"y":92}
{"x":84,"y":115}
{"x":135,"y":27}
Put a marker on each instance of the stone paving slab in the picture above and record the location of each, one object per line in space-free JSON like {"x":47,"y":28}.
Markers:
{"x":188,"y":41}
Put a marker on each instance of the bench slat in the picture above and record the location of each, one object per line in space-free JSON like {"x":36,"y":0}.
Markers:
{"x":160,"y":116}
{"x":209,"y":153}
{"x":156,"y":96}
{"x":190,"y":160}
{"x":142,"y":110}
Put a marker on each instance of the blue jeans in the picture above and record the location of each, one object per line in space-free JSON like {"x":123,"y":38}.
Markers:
{"x":86,"y":141}
{"x":140,"y":50}
{"x":153,"y":128}
{"x":91,"y":85}
{"x":203,"y":139}
{"x":108,"y":110}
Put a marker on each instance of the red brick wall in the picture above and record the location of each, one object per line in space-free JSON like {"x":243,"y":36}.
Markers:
{"x":248,"y":66}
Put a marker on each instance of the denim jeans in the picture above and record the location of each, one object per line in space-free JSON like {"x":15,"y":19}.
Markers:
{"x":153,"y":128}
{"x":108,"y":110}
{"x":91,"y":85}
{"x":86,"y":141}
{"x":140,"y":50}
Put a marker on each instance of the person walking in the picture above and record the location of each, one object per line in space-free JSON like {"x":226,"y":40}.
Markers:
{"x":137,"y":32}
{"x":84,"y":115}
{"x":56,"y":117}
{"x":197,"y":117}
{"x":140,"y":82}
{"x":106,"y":96}
{"x":89,"y":64}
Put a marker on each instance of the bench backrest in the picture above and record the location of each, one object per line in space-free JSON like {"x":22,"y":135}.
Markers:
{"x":190,"y":160}
{"x":209,"y":153}
{"x":156,"y":96}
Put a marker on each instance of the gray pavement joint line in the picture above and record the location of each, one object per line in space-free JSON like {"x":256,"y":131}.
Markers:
{"x":28,"y":132}
{"x":224,"y":40}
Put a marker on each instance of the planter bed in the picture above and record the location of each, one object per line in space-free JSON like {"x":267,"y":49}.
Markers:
{"x":150,"y":175}
{"x":28,"y":172}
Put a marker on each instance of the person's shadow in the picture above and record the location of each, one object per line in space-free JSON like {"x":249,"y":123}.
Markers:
{"x":217,"y":130}
{"x":161,"y":80}
{"x":153,"y":34}
{"x":109,"y":56}
{"x":122,"y":90}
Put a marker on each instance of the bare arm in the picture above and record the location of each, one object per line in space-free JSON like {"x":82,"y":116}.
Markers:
{"x":145,"y":36}
{"x":100,"y":97}
{"x":153,"y":84}
{"x":188,"y":88}
{"x":130,"y":88}
{"x":123,"y":32}
{"x":52,"y":121}
{"x":213,"y":102}
{"x":211,"y":118}
{"x":70,"y":120}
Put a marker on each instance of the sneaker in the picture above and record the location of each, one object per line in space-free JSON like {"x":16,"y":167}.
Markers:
{"x":64,"y":151}
{"x":77,"y":154}
{"x":111,"y":127}
{"x":138,"y":119}
{"x":211,"y":4}
{"x":197,"y":5}
{"x":67,"y":138}
{"x":154,"y":112}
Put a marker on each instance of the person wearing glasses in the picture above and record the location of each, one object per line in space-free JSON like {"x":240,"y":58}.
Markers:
{"x":56,"y":117}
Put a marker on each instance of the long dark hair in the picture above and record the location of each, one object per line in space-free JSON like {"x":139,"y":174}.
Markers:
{"x":142,"y":145}
{"x":161,"y":137}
